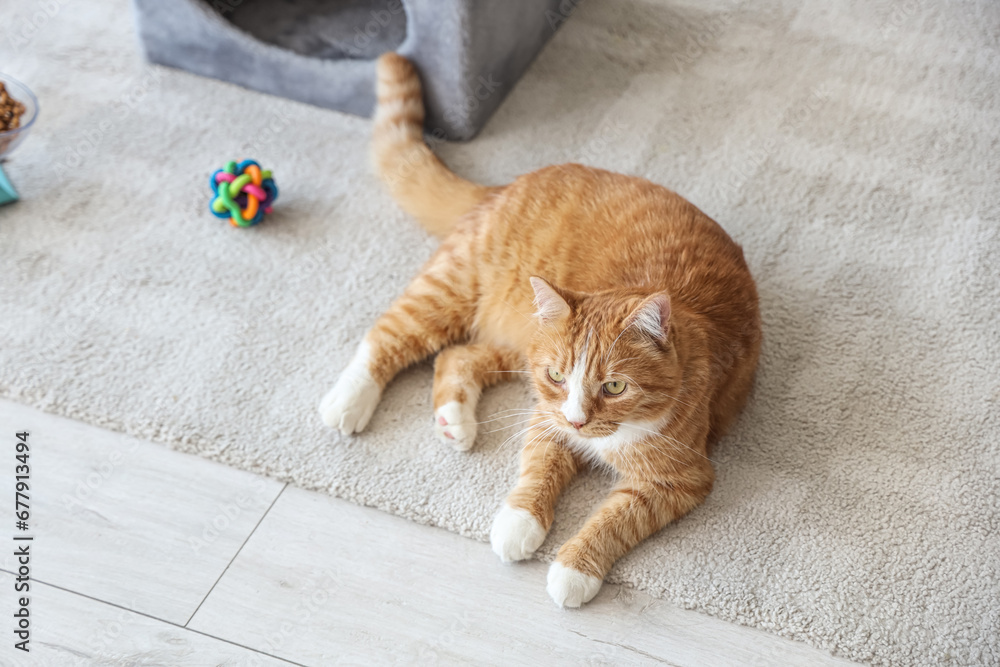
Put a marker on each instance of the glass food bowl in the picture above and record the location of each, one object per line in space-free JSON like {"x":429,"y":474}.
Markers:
{"x":10,"y":139}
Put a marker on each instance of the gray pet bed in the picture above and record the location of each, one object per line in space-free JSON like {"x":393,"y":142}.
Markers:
{"x":469,"y":52}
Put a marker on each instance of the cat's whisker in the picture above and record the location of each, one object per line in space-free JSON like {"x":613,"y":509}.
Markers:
{"x":541,"y":434}
{"x":531,"y":410}
{"x":553,"y":427}
{"x":497,"y":419}
{"x":663,"y":435}
{"x":687,"y":446}
{"x":544,"y":434}
{"x":611,"y":368}
{"x":512,"y":412}
{"x":504,"y":428}
{"x":522,"y":432}
{"x":511,"y":306}
{"x":526,"y":414}
{"x":675,"y":440}
{"x":611,"y":349}
{"x":632,"y":462}
{"x":524,"y":419}
{"x":663,"y":451}
{"x":633,"y":382}
{"x":497,"y":429}
{"x":674,"y":398}
{"x":634,"y":449}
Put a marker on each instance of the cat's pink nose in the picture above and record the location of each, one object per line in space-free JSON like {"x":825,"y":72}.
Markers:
{"x":578,"y":425}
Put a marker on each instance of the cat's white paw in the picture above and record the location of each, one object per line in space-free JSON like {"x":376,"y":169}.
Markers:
{"x":516,"y":534}
{"x":455,"y":424}
{"x":569,"y":587}
{"x":351,"y":402}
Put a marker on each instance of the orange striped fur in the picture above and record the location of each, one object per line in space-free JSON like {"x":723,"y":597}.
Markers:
{"x":630,"y":284}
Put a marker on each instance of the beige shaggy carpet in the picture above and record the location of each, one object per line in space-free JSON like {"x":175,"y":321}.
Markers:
{"x":850,"y":146}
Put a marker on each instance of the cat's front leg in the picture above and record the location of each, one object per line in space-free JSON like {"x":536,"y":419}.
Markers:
{"x":634,"y":511}
{"x":351,"y":402}
{"x":547,"y":466}
{"x":460,"y":374}
{"x":434,"y":311}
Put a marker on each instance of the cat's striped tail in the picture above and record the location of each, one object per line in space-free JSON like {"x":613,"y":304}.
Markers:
{"x":422,"y":185}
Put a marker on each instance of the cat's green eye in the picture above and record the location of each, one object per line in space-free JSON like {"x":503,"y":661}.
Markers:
{"x":614,"y":388}
{"x":556,"y":376}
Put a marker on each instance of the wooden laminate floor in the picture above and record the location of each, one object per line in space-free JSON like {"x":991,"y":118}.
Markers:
{"x":145,"y":556}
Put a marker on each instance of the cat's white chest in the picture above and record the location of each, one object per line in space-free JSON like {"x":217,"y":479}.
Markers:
{"x":628,"y":434}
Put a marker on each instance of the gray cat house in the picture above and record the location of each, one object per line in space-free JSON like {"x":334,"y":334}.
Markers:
{"x":470,"y":53}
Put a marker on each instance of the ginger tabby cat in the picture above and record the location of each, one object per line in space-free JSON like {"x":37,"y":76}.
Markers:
{"x":634,"y":313}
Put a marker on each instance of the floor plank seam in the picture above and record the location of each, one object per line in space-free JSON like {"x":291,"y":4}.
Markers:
{"x":625,"y":647}
{"x":162,"y":620}
{"x":236,"y":555}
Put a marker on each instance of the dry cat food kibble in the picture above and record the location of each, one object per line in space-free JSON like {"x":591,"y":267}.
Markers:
{"x":10,"y":111}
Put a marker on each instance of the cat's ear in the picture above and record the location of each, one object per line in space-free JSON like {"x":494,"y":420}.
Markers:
{"x":652,"y":317}
{"x":549,"y":304}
